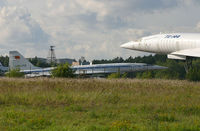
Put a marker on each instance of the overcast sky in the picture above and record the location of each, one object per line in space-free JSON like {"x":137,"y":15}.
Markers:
{"x":91,"y":28}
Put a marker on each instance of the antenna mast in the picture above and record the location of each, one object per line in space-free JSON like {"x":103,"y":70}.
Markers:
{"x":51,"y":58}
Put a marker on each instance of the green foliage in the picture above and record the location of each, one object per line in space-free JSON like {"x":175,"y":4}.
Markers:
{"x":4,"y":60}
{"x":125,"y":75}
{"x":175,"y":67}
{"x":146,"y":59}
{"x":15,"y":73}
{"x":165,"y":117}
{"x":146,"y":75}
{"x":175,"y":70}
{"x":122,"y":126}
{"x":193,"y":74}
{"x":75,"y":108}
{"x":99,"y":105}
{"x":114,"y":75}
{"x":63,"y":71}
{"x":114,"y":99}
{"x":37,"y":62}
{"x":38,"y":124}
{"x":117,"y":75}
{"x":93,"y":115}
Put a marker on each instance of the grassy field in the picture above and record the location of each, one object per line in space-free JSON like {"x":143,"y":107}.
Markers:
{"x":99,"y":104}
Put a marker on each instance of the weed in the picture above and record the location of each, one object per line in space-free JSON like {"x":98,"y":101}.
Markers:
{"x":99,"y":104}
{"x":75,"y":108}
{"x":38,"y":124}
{"x":93,"y":115}
{"x":113,"y":99}
{"x":165,"y":118}
{"x":122,"y":126}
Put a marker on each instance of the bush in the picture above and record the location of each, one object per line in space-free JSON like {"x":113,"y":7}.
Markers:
{"x":145,"y":75}
{"x":63,"y":71}
{"x":114,"y":75}
{"x":15,"y":73}
{"x":125,"y":75}
{"x":148,"y":75}
{"x":193,"y":74}
{"x":117,"y":75}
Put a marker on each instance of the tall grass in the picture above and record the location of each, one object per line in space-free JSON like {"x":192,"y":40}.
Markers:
{"x":99,"y":104}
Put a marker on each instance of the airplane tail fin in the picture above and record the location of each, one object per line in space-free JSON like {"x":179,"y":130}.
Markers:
{"x":17,"y":61}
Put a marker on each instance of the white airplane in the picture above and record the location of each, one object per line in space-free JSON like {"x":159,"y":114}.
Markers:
{"x":114,"y":68}
{"x":181,"y":46}
{"x":17,"y":61}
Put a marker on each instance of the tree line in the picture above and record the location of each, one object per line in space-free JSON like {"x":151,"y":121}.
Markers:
{"x":175,"y":69}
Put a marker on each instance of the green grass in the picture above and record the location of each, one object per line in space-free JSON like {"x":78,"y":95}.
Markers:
{"x":99,"y":105}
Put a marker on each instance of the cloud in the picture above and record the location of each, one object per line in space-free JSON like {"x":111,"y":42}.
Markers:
{"x":19,"y":31}
{"x":93,"y":6}
{"x":3,"y":3}
{"x":189,"y":2}
{"x":91,"y":28}
{"x":152,"y":5}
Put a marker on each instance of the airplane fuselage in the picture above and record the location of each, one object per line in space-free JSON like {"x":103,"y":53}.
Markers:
{"x":165,"y":43}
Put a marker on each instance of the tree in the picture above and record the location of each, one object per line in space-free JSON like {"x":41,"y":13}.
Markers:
{"x":4,"y":60}
{"x":63,"y":71}
{"x":15,"y":73}
{"x":37,"y":62}
{"x":175,"y":70}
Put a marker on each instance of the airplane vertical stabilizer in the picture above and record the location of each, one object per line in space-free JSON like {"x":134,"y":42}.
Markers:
{"x":17,"y":61}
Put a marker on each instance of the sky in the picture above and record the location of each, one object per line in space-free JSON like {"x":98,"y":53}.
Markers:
{"x":94,"y":29}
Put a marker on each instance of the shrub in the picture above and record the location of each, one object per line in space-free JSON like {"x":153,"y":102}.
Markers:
{"x":193,"y":74}
{"x":114,"y":75}
{"x":145,"y":75}
{"x":38,"y":123}
{"x":15,"y":73}
{"x":63,"y":71}
{"x":122,"y":126}
{"x":124,"y":75}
